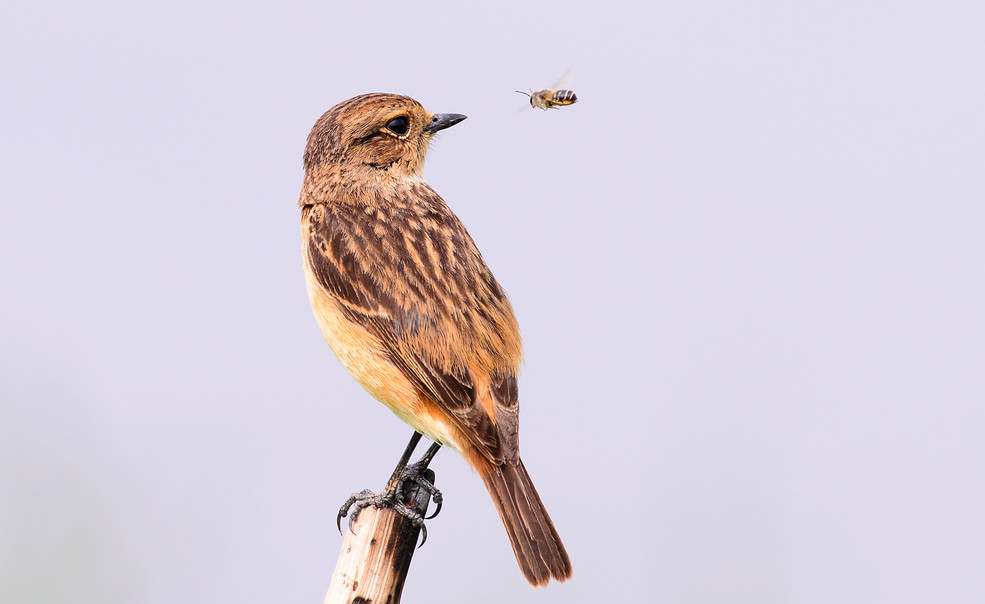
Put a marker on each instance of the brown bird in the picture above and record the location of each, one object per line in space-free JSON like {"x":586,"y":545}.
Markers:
{"x":410,"y":308}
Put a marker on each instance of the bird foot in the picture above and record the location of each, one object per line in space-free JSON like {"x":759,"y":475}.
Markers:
{"x":395,"y":498}
{"x":416,"y":474}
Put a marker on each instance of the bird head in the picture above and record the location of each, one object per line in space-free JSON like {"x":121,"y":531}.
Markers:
{"x":375,"y":132}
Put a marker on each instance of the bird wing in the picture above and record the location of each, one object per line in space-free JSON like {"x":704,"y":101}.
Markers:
{"x":412,"y":276}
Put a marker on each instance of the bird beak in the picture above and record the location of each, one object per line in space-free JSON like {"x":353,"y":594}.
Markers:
{"x":440,"y":121}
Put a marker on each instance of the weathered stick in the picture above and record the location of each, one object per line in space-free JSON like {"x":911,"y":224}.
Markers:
{"x":376,"y":552}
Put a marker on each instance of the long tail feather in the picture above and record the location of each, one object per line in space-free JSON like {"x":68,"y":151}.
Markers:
{"x":535,"y":542}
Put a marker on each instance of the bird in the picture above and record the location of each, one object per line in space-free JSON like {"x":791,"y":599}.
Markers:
{"x":410,"y":308}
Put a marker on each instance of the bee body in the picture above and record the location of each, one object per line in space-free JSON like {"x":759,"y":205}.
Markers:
{"x":550,"y":98}
{"x":556,"y":96}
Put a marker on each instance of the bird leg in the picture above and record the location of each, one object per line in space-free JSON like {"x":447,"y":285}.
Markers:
{"x":392,"y":495}
{"x":416,"y":474}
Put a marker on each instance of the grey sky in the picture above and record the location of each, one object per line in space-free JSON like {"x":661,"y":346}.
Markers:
{"x":748,"y":267}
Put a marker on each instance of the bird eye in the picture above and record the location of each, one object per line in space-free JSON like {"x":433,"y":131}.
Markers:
{"x":398,"y":125}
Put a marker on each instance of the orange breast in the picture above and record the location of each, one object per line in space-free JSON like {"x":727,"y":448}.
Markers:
{"x":361,"y":353}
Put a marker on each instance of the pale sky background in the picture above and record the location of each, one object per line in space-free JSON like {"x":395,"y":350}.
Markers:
{"x":749,"y":268}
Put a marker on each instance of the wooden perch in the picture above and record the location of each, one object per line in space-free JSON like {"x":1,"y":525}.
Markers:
{"x":376,"y":552}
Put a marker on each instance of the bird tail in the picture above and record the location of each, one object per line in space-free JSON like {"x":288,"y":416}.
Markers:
{"x":535,"y":541}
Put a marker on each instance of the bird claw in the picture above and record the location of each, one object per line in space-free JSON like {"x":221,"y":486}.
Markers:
{"x":394,"y":498}
{"x":359,"y":500}
{"x":415,"y":474}
{"x":415,"y":519}
{"x":436,"y":496}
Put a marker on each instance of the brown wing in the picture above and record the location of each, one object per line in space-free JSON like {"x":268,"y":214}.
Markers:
{"x":408,"y":270}
{"x":507,"y":399}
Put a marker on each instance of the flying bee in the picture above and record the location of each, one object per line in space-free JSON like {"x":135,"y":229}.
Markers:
{"x":549,"y":98}
{"x":554,"y":97}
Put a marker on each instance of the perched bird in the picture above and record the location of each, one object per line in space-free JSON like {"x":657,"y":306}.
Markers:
{"x":410,"y":308}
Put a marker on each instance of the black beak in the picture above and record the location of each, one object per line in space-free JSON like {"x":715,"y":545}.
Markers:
{"x":440,"y":121}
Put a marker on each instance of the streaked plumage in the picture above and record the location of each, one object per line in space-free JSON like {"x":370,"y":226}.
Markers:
{"x":410,"y":308}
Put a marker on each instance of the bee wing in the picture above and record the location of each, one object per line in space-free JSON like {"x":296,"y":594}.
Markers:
{"x":565,"y":80}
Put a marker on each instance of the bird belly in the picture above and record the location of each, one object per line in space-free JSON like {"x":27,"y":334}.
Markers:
{"x":361,"y":354}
